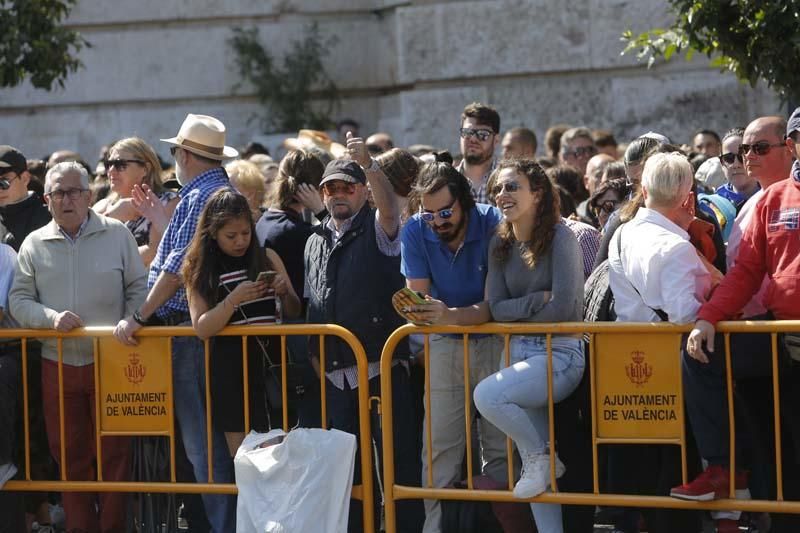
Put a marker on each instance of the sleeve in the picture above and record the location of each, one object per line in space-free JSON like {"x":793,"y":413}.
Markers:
{"x":134,"y":273}
{"x":589,"y":241}
{"x":388,"y":247}
{"x":7,"y":265}
{"x":502,"y":306}
{"x":567,"y":286}
{"x":684,"y":282}
{"x":413,"y":263}
{"x":744,"y":279}
{"x":23,"y":298}
{"x":182,"y":234}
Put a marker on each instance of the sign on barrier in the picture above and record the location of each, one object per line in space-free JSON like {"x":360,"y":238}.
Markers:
{"x":638,"y":392}
{"x":135,"y":385}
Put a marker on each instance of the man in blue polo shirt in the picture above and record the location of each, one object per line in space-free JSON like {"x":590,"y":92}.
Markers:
{"x":444,"y":251}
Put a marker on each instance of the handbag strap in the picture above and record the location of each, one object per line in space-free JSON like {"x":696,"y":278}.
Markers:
{"x":660,"y":312}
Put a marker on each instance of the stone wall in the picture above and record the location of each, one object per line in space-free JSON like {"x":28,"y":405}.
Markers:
{"x":403,"y":67}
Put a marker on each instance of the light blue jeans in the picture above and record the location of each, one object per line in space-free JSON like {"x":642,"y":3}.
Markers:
{"x":515,"y":400}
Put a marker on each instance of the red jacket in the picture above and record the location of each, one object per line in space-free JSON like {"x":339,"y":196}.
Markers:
{"x":770,"y":246}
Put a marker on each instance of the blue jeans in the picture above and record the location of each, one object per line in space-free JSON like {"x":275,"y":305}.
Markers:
{"x":515,"y":400}
{"x":189,"y":382}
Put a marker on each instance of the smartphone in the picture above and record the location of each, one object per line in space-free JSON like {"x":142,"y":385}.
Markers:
{"x":267,"y":276}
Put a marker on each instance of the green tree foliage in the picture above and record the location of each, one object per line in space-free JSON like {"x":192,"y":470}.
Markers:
{"x":34,"y":44}
{"x":297,"y":94}
{"x":754,"y":39}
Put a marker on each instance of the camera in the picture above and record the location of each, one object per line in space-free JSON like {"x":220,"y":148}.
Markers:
{"x":4,"y":185}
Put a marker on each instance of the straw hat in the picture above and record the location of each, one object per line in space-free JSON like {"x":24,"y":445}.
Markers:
{"x":204,"y":136}
{"x":319,"y":139}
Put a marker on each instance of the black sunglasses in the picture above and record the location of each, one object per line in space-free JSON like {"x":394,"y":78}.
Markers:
{"x":759,"y":148}
{"x":730,"y":157}
{"x":121,"y":164}
{"x":581,"y":151}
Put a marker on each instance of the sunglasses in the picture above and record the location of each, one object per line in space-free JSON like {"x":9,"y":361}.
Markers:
{"x":172,"y":150}
{"x":607,"y":207}
{"x":507,"y":187}
{"x":444,"y":214}
{"x":581,"y":151}
{"x":481,"y":135}
{"x":332,"y":187}
{"x":759,"y":148}
{"x":121,"y":164}
{"x":730,"y":157}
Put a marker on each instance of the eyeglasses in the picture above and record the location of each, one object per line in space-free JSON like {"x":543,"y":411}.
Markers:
{"x":444,"y":213}
{"x":759,"y":148}
{"x":59,"y":194}
{"x":172,"y":150}
{"x":607,"y":207}
{"x":507,"y":187}
{"x":730,"y":157}
{"x":581,"y":151}
{"x":334,"y":187}
{"x":481,"y":135}
{"x":121,"y":164}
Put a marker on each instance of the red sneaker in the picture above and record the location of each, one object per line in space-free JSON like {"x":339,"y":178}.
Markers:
{"x":726,"y":525}
{"x":711,"y":484}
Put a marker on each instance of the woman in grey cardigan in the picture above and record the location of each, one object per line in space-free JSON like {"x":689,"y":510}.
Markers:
{"x":535,"y":275}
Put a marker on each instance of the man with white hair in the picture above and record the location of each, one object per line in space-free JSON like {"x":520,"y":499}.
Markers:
{"x":79,"y":270}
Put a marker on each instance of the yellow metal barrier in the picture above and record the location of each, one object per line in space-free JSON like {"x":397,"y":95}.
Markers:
{"x":363,"y":492}
{"x":637,"y":370}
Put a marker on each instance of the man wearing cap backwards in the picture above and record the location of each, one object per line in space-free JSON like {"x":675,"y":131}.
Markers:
{"x":198,"y":149}
{"x":352,"y":265}
{"x":21,"y":211}
{"x":770,"y":246}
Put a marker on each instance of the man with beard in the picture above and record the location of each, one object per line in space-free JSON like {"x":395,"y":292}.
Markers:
{"x":352,"y":266}
{"x":445,"y":256}
{"x":480,"y":128}
{"x":198,"y":149}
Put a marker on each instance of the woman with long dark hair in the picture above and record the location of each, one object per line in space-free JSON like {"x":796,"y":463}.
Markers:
{"x":221,"y":271}
{"x":535,"y":275}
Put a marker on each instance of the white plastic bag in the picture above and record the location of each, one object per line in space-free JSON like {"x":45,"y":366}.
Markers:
{"x":301,"y":484}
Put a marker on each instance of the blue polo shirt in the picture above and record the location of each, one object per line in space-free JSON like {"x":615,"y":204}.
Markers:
{"x":457,"y":278}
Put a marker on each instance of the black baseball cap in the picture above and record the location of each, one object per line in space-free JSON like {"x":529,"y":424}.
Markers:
{"x":344,"y":170}
{"x":11,"y":159}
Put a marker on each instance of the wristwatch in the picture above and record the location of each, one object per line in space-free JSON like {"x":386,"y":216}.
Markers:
{"x":373,"y":167}
{"x":137,"y":317}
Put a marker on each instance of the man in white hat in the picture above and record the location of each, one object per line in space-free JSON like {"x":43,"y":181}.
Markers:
{"x":198,"y":149}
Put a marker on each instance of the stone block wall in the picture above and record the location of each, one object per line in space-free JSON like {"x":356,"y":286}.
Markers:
{"x":406,"y":67}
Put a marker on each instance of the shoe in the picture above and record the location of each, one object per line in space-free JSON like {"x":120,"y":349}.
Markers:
{"x":535,"y":477}
{"x":710,"y":485}
{"x":726,"y":525}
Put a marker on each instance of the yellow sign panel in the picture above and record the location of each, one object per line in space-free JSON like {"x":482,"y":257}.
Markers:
{"x":637,"y":389}
{"x":135,"y":384}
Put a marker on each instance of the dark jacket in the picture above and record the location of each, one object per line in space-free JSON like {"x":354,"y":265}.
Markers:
{"x":21,"y":218}
{"x":351,"y":284}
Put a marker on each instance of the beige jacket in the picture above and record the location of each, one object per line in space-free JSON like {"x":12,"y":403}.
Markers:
{"x":100,"y":277}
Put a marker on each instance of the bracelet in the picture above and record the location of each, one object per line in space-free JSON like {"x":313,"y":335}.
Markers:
{"x":137,"y":317}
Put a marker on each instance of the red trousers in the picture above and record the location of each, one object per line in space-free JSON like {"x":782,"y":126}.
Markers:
{"x":85,"y":512}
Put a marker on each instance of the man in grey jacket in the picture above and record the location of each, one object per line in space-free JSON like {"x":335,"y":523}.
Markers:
{"x":81,"y":269}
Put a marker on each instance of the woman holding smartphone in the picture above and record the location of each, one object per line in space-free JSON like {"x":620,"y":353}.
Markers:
{"x":535,"y":275}
{"x":221,"y":270}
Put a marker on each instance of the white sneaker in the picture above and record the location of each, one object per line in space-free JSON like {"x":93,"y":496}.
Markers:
{"x":535,"y":477}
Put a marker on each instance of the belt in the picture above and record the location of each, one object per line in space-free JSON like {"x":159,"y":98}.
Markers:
{"x":176,"y":319}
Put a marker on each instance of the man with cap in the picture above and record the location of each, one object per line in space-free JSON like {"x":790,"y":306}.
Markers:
{"x":198,"y":149}
{"x":21,"y":211}
{"x":352,"y":266}
{"x":769,"y":247}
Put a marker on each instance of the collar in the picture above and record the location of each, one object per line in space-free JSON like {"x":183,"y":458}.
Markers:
{"x":209,"y":176}
{"x":22,"y":204}
{"x":654,"y":217}
{"x":53,"y":231}
{"x":473,"y":232}
{"x":463,"y":164}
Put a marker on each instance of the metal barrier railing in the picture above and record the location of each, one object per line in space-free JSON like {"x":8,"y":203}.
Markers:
{"x":363,"y":492}
{"x":664,"y":338}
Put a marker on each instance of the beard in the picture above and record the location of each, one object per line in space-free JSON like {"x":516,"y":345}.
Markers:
{"x":477,"y":159}
{"x":447,"y":232}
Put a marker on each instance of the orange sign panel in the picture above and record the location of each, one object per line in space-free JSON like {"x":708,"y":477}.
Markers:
{"x":637,"y":392}
{"x":135,"y":384}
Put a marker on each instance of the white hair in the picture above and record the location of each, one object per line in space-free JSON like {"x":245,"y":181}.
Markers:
{"x":667,"y":179}
{"x":60,"y":170}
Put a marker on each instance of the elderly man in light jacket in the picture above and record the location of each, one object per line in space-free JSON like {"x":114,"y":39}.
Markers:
{"x":79,"y":270}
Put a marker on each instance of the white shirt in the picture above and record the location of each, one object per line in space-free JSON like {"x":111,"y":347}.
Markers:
{"x":754,"y":307}
{"x":657,"y":259}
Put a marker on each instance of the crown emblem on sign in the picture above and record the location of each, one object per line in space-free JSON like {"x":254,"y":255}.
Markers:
{"x":639,"y":372}
{"x":135,"y":371}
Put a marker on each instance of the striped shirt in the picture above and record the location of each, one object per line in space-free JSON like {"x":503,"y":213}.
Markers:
{"x":259,"y":311}
{"x":182,"y":226}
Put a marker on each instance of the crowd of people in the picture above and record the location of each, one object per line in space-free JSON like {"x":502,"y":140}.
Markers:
{"x":645,"y":231}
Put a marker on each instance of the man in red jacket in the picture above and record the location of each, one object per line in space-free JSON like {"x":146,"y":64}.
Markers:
{"x":770,"y":247}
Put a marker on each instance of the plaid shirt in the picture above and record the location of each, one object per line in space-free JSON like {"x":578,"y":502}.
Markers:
{"x":589,"y":241}
{"x":481,"y":194}
{"x":179,"y":233}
